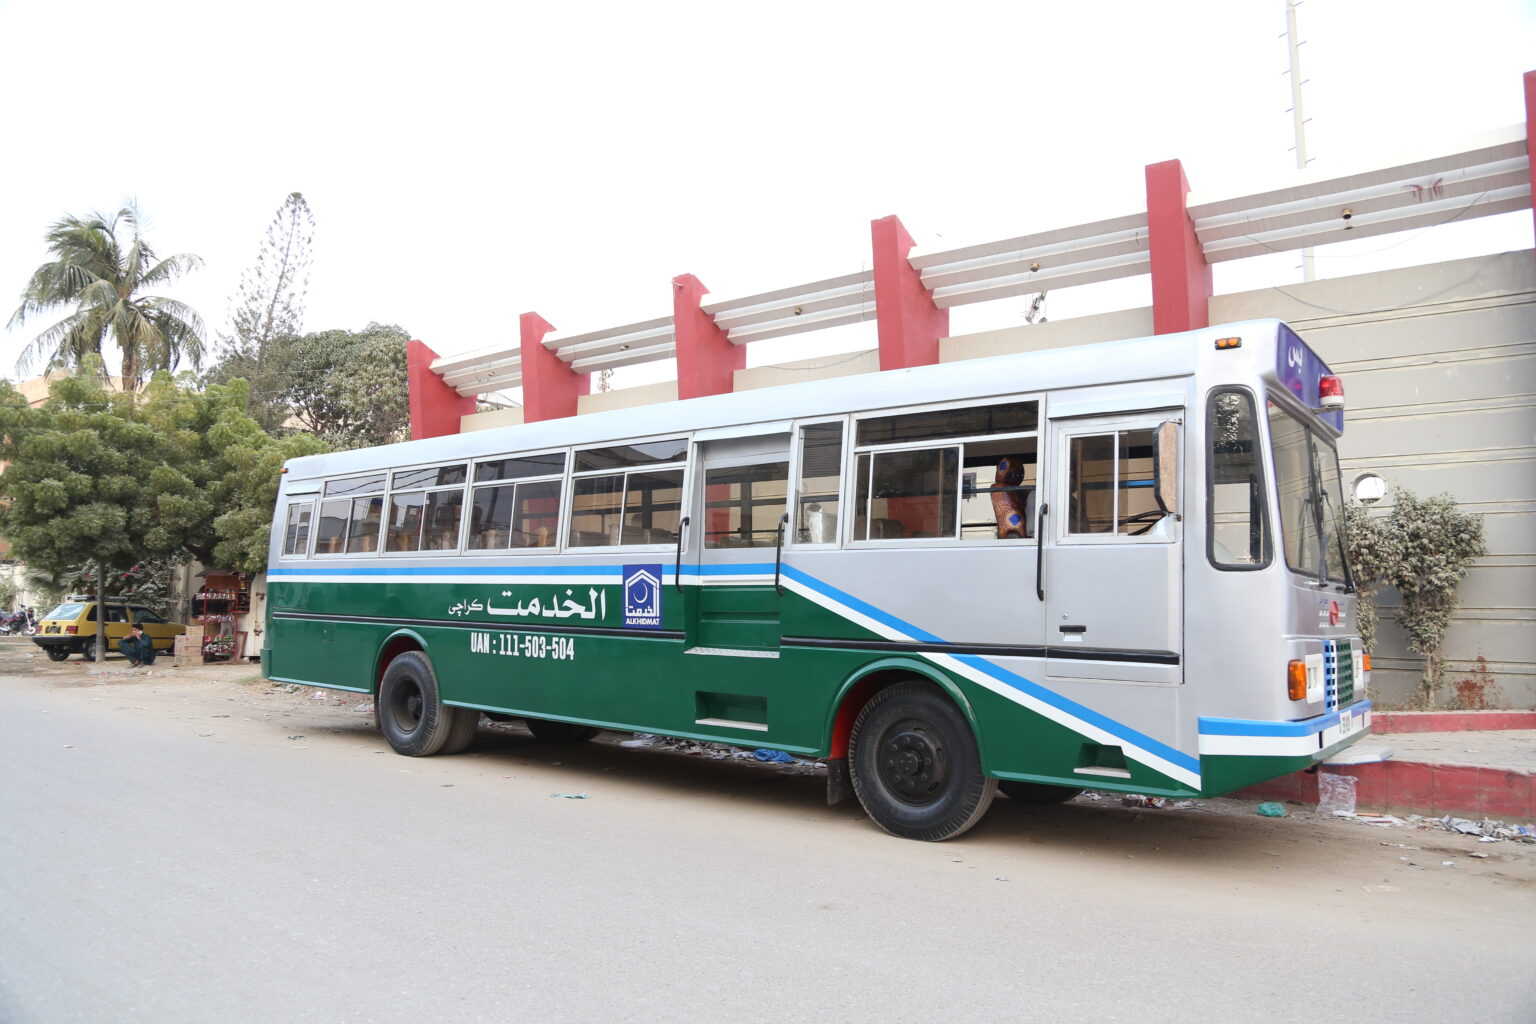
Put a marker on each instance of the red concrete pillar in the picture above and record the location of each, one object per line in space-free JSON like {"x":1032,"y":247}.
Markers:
{"x":1530,"y":132}
{"x":910,"y":324}
{"x":1181,"y":279}
{"x":435,"y":407}
{"x":550,"y":386}
{"x":706,"y":360}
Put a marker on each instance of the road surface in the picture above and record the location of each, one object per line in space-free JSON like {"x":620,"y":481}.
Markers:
{"x":180,"y":847}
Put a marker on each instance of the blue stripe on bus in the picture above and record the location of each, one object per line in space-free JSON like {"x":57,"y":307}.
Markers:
{"x":1117,"y":729}
{"x":1251,"y":727}
{"x":1002,"y":675}
{"x":458,"y":570}
{"x":862,"y":607}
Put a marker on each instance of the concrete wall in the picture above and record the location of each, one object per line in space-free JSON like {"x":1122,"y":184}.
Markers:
{"x":844,"y":364}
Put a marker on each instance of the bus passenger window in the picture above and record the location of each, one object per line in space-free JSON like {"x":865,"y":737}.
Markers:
{"x":524,"y":515}
{"x":350,"y":522}
{"x":743,"y":505}
{"x":998,"y":481}
{"x":363,"y":530}
{"x":296,"y":532}
{"x":426,"y":520}
{"x":633,"y":507}
{"x":1236,"y":524}
{"x":1110,"y":484}
{"x":817,"y":491}
{"x":907,"y":494}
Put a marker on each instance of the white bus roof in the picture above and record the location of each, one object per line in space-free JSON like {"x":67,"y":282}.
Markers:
{"x":1163,"y":357}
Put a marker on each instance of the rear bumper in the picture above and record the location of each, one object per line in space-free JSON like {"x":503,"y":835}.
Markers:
{"x":55,"y":640}
{"x":1237,"y":752}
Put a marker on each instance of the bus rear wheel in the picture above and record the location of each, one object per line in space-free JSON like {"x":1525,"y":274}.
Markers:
{"x":412,"y":715}
{"x":915,"y":764}
{"x":559,"y":732}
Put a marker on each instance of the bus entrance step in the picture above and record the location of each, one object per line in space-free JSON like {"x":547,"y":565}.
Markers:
{"x":732,"y":652}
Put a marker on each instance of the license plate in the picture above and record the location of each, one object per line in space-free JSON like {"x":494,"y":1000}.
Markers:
{"x":1349,"y":724}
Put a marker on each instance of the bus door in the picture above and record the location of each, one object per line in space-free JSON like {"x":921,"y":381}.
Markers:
{"x":741,"y":496}
{"x":1111,"y":563}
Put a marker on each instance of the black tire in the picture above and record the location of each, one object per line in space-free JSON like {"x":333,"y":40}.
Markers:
{"x":1037,"y":792}
{"x":466,"y":726}
{"x":559,"y":732}
{"x":88,"y":650}
{"x":915,"y":764}
{"x":58,"y":653}
{"x":412,"y":715}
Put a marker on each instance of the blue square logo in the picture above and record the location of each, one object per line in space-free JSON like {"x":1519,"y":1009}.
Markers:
{"x":642,"y":596}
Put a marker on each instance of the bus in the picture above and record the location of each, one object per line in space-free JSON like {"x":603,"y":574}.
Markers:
{"x":1118,"y":566}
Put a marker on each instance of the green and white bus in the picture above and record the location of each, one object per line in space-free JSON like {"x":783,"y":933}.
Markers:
{"x":1119,"y":566}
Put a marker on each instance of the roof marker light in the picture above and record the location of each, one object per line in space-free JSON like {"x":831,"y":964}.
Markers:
{"x":1330,"y":392}
{"x":1222,"y":343}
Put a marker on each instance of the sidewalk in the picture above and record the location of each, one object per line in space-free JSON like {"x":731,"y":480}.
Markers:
{"x":1468,"y":773}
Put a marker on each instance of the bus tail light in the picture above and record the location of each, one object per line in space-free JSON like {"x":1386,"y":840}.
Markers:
{"x":1330,"y":392}
{"x":1296,"y":679}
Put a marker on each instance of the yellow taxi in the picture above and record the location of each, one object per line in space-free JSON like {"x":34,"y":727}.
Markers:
{"x":71,"y":628}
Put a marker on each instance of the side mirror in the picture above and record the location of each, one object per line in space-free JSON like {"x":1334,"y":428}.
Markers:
{"x":1165,"y":466}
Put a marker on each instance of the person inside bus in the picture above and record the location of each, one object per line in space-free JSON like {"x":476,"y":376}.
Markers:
{"x":1011,"y":500}
{"x":138,"y":648}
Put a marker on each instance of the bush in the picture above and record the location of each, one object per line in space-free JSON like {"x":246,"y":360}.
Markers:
{"x":1423,"y":548}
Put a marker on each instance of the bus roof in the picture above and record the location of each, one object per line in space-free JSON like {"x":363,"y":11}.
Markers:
{"x":1163,"y":357}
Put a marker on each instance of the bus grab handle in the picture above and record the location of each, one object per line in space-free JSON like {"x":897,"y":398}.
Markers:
{"x":778,"y":553}
{"x":677,"y":571}
{"x":1040,"y":550}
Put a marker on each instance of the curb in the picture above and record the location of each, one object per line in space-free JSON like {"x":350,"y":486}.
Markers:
{"x":1450,"y":721}
{"x":1413,"y":787}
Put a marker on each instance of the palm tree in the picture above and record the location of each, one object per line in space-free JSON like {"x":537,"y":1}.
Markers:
{"x":100,"y":274}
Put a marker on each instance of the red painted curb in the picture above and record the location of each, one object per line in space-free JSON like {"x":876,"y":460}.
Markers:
{"x":1450,"y":721}
{"x":1412,"y":787}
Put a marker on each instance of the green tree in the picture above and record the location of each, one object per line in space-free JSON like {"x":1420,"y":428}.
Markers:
{"x":269,"y":313}
{"x":118,"y":478}
{"x":101,"y":270}
{"x":350,"y":387}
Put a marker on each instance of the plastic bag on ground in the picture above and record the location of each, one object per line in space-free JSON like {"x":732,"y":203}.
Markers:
{"x":1335,"y":794}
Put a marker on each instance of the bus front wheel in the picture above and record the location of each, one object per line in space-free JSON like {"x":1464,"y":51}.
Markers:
{"x":412,"y":715}
{"x":915,"y":764}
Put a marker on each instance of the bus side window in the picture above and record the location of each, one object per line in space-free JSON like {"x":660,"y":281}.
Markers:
{"x":1111,"y":481}
{"x":817,"y":497}
{"x":743,"y":505}
{"x":296,"y":532}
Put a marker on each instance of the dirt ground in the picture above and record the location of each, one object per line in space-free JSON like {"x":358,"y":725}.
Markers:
{"x":245,"y":704}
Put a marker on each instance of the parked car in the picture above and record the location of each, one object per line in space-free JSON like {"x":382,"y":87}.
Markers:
{"x":71,"y":628}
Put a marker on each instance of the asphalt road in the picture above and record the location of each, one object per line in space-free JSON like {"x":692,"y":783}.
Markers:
{"x":206,"y":852}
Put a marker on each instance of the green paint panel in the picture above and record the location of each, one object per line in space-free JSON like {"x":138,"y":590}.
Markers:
{"x":738,"y":616}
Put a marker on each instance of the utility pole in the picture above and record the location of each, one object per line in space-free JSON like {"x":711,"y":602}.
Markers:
{"x":1298,"y":120}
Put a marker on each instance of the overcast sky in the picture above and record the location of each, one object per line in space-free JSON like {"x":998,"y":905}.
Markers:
{"x":468,"y":162}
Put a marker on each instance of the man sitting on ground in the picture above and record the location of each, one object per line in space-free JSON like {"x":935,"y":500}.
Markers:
{"x":138,"y":648}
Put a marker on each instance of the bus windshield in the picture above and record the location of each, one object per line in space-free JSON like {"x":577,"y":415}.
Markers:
{"x":1311,"y":498}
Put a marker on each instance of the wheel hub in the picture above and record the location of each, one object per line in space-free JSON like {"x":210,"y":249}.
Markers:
{"x":911,"y":764}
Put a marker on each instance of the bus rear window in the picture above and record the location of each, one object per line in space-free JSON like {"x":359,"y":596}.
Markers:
{"x":1237,"y":525}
